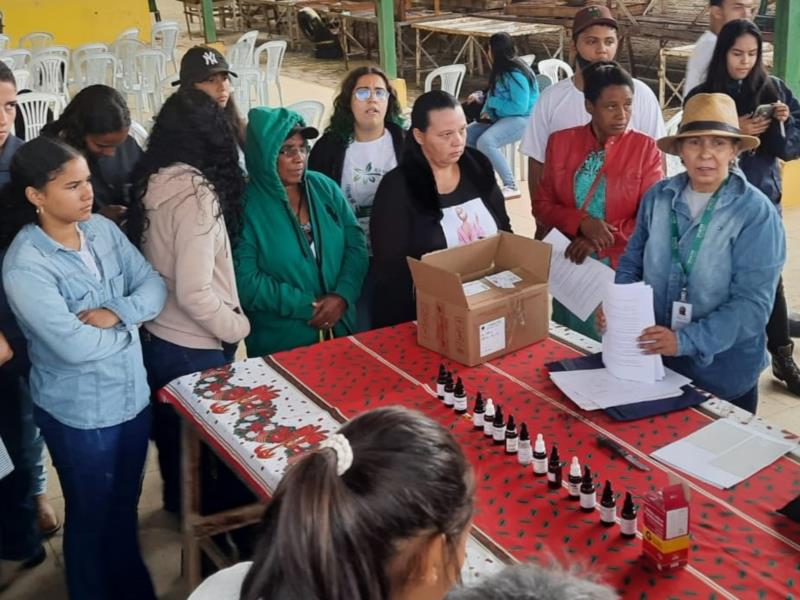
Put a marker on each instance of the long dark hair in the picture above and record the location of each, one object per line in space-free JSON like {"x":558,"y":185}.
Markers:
{"x":331,"y":537}
{"x":191,"y":128}
{"x":34,"y":164}
{"x":420,"y":119}
{"x":505,"y":60}
{"x":342,"y":122}
{"x":96,"y":109}
{"x":757,"y":88}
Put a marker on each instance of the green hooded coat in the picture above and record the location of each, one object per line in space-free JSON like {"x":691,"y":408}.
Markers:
{"x":277,"y":274}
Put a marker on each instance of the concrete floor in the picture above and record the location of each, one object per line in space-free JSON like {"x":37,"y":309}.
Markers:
{"x":160,"y":534}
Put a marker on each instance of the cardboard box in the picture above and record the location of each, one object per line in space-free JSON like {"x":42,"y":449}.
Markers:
{"x":482,"y":300}
{"x":665,"y":535}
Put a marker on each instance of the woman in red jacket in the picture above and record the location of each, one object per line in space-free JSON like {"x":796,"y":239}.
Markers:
{"x":595,"y":175}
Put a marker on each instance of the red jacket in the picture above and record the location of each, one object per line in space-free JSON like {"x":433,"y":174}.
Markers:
{"x":632,"y":165}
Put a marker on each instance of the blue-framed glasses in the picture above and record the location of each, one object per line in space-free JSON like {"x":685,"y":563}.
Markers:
{"x":363,"y":93}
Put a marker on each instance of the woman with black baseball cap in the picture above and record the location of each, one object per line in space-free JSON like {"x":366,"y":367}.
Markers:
{"x":205,"y":68}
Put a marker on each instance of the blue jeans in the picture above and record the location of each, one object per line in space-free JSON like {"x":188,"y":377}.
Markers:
{"x":489,"y":138}
{"x":19,"y":533}
{"x":748,"y":400}
{"x":101,"y":474}
{"x":36,"y":448}
{"x":164,"y":362}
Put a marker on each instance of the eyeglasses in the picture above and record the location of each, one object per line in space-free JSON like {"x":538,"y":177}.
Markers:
{"x":292,"y":151}
{"x":363,"y":93}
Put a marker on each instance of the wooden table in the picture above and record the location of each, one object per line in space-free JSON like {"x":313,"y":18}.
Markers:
{"x":258,"y":414}
{"x":476,"y":30}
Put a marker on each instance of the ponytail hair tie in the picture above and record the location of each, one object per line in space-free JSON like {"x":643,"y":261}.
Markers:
{"x":344,"y":452}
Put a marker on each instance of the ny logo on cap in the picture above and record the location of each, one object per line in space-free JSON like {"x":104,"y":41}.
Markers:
{"x":594,"y":11}
{"x":210,"y":58}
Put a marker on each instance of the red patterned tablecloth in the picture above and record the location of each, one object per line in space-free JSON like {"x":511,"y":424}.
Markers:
{"x":742,"y":548}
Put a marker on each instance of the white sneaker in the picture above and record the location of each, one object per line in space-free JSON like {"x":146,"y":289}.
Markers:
{"x":509,"y":193}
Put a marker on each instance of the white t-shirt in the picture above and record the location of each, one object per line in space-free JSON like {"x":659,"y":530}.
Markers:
{"x":697,"y":66}
{"x":365,"y":164}
{"x":697,"y":201}
{"x":223,"y":585}
{"x":86,"y":256}
{"x":562,"y":106}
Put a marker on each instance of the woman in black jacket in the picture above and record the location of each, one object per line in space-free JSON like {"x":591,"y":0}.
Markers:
{"x":442,"y":194}
{"x":737,"y":69}
{"x":362,"y":143}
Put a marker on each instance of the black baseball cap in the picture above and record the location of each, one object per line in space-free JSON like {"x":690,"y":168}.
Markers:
{"x":200,"y":63}
{"x":306,"y":132}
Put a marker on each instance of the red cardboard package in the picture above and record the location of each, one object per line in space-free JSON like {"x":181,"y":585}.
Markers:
{"x":665,"y":536}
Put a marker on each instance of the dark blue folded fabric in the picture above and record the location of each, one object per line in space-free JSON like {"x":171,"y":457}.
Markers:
{"x":630,"y":412}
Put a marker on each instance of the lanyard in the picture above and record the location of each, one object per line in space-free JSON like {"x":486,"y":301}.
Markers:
{"x":698,"y":238}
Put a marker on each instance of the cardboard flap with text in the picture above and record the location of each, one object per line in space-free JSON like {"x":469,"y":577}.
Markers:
{"x":436,"y":281}
{"x":517,"y":251}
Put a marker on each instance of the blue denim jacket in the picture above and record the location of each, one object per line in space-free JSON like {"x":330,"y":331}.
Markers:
{"x":731,"y":287}
{"x":84,"y":376}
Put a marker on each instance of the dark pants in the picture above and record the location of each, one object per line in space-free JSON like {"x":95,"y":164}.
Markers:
{"x":220,"y":487}
{"x":101,"y":476}
{"x":364,"y":304}
{"x":19,"y":534}
{"x":748,"y":400}
{"x":778,"y":324}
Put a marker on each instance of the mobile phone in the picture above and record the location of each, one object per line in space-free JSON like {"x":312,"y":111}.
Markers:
{"x":764,"y":110}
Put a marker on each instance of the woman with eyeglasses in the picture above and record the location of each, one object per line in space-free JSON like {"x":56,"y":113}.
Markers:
{"x":361,"y":144}
{"x":301,"y":258}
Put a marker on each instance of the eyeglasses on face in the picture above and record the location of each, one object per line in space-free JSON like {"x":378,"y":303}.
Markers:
{"x":292,"y":151}
{"x":363,"y":93}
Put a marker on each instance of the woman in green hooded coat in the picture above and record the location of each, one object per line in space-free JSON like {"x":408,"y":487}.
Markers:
{"x":301,"y":257}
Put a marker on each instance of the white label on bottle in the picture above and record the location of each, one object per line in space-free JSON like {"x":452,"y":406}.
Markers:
{"x":499,"y":433}
{"x":628,"y":526}
{"x":573,"y":489}
{"x":492,"y":336}
{"x":524,"y":453}
{"x":608,"y":514}
{"x":540,"y":466}
{"x":460,"y":403}
{"x":448,"y":398}
{"x":588,"y":500}
{"x":512,"y":444}
{"x":488,"y":428}
{"x":440,"y":390}
{"x":551,"y":476}
{"x":477,"y":419}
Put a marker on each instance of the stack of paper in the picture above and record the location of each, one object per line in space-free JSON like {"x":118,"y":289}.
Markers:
{"x":724,"y":453}
{"x":594,"y":389}
{"x":629,"y":311}
{"x":6,"y":466}
{"x":578,"y":287}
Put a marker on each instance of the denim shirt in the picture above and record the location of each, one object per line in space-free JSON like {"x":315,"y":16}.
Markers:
{"x":731,"y":287}
{"x":84,"y":376}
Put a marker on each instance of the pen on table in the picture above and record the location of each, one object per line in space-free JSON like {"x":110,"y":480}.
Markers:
{"x":620,"y":451}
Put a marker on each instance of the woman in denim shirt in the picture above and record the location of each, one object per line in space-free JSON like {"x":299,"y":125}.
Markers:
{"x":728,"y":289}
{"x":79,"y":291}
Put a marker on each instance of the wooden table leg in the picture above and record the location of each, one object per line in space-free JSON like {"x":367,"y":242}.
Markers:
{"x":662,"y":74}
{"x":190,"y":500}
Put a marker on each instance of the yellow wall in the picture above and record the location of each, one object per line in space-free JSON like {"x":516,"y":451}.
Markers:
{"x":791,"y":184}
{"x":75,"y":22}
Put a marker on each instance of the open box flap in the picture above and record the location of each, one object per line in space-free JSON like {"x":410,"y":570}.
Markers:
{"x":517,"y":251}
{"x":438,"y":282}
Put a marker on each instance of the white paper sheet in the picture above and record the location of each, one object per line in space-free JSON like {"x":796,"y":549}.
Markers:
{"x":6,"y":466}
{"x":474,"y":287}
{"x":629,"y":311}
{"x":504,"y":279}
{"x":578,"y":287}
{"x":724,"y":453}
{"x":593,"y":389}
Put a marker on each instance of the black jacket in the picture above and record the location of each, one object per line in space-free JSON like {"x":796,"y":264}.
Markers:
{"x":111,"y":175}
{"x":327,"y":155}
{"x":405,"y":222}
{"x":761,"y":166}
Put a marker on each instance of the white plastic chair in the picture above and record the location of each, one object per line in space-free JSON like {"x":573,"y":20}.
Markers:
{"x":247,"y":89}
{"x":23,"y":78}
{"x":312,"y":112}
{"x":451,"y":78}
{"x":138,"y":132}
{"x":674,"y":164}
{"x":34,"y":107}
{"x":528,"y":59}
{"x":271,"y":72}
{"x":49,"y":75}
{"x":4,"y":41}
{"x":9,"y":62}
{"x":164,"y":37}
{"x":36,"y":40}
{"x":21,"y":58}
{"x":554,"y":68}
{"x":150,"y":69}
{"x":97,"y":69}
{"x":78,"y":54}
{"x":125,"y":50}
{"x":543,"y":81}
{"x":128,"y":34}
{"x":240,"y":55}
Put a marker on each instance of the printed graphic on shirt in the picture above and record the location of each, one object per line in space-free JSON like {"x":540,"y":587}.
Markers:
{"x":467,"y":222}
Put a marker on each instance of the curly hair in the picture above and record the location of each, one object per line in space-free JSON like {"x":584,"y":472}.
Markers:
{"x":342,"y":121}
{"x":96,"y":109}
{"x":192,"y":129}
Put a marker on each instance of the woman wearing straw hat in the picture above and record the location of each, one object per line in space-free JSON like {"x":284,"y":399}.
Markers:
{"x":712,"y":247}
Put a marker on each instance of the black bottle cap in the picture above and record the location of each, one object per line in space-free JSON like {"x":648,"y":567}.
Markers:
{"x":587,"y":476}
{"x":511,"y":425}
{"x":498,"y":415}
{"x":479,"y":405}
{"x":608,"y":495}
{"x":523,"y":433}
{"x":459,"y":389}
{"x":554,"y":457}
{"x":628,"y":508}
{"x":442,"y":373}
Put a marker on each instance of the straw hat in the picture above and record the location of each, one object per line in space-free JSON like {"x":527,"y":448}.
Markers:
{"x":712,"y":115}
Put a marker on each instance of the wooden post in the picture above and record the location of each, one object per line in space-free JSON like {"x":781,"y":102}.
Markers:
{"x":209,"y":27}
{"x":787,"y":42}
{"x":386,"y":37}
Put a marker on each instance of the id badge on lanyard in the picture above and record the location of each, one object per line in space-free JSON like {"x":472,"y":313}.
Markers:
{"x":681,"y":312}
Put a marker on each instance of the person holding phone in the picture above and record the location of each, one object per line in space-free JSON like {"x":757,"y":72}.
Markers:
{"x":768,"y":110}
